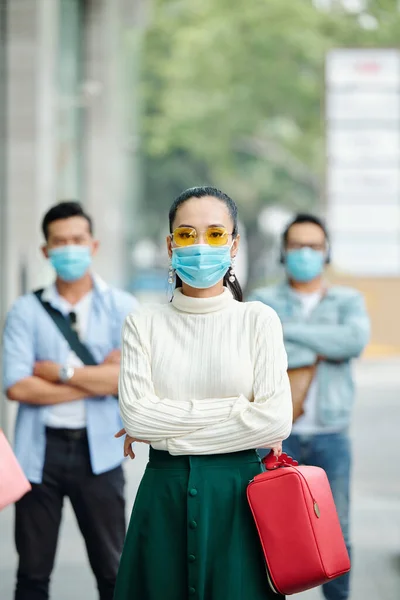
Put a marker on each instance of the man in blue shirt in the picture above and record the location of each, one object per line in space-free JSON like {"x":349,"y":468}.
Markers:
{"x":68,"y":412}
{"x":324,"y":328}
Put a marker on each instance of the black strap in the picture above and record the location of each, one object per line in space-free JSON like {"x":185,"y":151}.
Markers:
{"x":70,"y":335}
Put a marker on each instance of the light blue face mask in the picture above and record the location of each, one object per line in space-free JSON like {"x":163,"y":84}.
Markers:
{"x":71,"y":262}
{"x":305,"y":264}
{"x":201,"y":266}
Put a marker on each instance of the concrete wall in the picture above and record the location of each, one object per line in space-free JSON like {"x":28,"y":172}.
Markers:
{"x":30,"y":172}
{"x":3,"y":174}
{"x":30,"y":41}
{"x":32,"y":146}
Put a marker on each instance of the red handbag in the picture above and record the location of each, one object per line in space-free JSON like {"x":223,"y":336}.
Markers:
{"x":299,"y":529}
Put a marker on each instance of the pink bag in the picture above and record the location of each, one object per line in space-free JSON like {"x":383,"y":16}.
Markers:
{"x":13,"y":483}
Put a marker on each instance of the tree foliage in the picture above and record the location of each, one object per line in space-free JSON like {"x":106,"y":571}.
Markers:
{"x":233,"y":96}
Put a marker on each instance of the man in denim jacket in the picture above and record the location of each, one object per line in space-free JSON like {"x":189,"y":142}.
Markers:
{"x":326,"y":326}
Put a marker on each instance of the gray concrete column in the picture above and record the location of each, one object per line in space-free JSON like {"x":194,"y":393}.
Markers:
{"x":105,"y":152}
{"x":34,"y":100}
{"x":32,"y":39}
{"x":3,"y":186}
{"x":112,"y":173}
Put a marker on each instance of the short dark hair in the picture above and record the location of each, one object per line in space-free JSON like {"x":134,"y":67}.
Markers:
{"x":64,"y":210}
{"x":304,"y":218}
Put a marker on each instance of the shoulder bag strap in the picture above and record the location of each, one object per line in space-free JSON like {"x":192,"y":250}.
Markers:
{"x":63,"y":325}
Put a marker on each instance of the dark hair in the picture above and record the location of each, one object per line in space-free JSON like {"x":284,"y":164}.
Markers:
{"x":304,"y":218}
{"x":64,"y":210}
{"x":202,"y":192}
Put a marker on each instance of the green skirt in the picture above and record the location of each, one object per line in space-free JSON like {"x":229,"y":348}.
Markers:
{"x":191,"y":534}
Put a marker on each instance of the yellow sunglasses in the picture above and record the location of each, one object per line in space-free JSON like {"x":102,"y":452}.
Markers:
{"x":188,"y":236}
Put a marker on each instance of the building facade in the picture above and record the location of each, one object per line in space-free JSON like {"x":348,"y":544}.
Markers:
{"x":69,"y":125}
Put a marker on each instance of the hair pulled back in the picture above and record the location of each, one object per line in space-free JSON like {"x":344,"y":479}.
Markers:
{"x":202,"y":192}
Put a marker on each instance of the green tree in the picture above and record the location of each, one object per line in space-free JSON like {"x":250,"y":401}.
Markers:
{"x":233,"y":96}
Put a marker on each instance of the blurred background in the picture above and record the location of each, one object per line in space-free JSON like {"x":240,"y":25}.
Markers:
{"x":286,"y":106}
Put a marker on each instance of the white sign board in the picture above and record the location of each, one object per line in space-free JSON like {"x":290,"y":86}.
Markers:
{"x":363,"y":182}
{"x":363,"y":160}
{"x":364,"y":218}
{"x":363,"y":147}
{"x":358,"y":106}
{"x":377,"y":69}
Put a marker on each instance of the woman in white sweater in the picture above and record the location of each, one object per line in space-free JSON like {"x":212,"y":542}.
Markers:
{"x":203,"y":380}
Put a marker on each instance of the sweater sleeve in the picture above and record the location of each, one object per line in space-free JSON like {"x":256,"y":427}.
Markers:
{"x":148,"y":417}
{"x":261,"y":423}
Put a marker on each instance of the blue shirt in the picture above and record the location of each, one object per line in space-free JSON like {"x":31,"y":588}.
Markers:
{"x":30,"y":336}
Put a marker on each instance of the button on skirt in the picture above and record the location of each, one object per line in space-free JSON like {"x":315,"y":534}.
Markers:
{"x":191,"y":535}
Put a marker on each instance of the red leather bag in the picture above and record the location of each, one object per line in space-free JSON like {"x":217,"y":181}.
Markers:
{"x":299,"y":529}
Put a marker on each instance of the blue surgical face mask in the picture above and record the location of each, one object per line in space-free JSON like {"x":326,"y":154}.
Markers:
{"x":201,"y":266}
{"x":71,"y":262}
{"x":305,"y":264}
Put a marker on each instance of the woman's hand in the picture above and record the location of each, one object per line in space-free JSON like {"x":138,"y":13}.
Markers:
{"x":277,"y":449}
{"x":128,"y":443}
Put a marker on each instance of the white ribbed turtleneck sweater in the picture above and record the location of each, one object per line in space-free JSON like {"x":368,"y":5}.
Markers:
{"x":205,"y":376}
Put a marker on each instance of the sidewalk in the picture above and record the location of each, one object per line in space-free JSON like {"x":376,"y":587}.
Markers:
{"x":376,"y":502}
{"x":376,"y":484}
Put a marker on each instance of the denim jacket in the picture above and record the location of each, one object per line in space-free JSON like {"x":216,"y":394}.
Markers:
{"x":338,"y":330}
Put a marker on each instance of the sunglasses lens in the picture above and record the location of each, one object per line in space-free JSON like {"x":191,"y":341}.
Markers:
{"x":217,"y":236}
{"x":185,"y":236}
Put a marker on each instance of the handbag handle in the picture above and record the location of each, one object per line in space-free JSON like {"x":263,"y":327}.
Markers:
{"x":272,"y":462}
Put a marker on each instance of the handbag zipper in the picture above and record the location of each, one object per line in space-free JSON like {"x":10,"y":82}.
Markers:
{"x":315,"y":503}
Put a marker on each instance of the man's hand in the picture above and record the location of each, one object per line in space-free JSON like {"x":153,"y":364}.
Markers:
{"x":114,"y":358}
{"x":47,"y":370}
{"x":128,"y":443}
